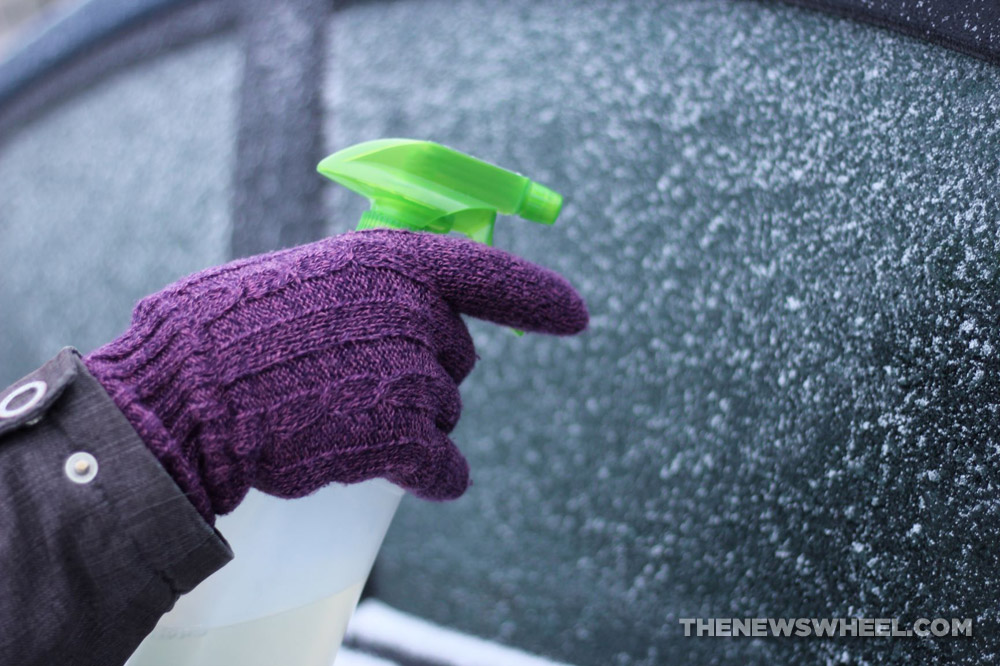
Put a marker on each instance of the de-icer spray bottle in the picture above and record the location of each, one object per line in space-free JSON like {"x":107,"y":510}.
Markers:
{"x":300,"y":564}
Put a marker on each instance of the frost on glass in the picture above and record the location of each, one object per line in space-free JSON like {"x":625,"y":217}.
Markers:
{"x":786,"y":227}
{"x":111,"y":195}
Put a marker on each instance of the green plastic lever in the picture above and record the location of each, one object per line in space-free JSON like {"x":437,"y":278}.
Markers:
{"x":424,"y":186}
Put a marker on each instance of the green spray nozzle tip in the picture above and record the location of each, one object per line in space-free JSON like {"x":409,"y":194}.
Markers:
{"x":424,"y":186}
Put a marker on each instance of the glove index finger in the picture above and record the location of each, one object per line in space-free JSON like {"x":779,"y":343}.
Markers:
{"x":497,"y":286}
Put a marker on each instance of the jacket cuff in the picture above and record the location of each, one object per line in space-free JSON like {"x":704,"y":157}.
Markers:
{"x":103,"y":464}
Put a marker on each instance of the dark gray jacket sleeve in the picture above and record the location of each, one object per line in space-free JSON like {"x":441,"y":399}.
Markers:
{"x":96,"y":540}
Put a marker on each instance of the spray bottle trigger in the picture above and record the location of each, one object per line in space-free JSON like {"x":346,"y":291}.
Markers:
{"x":424,"y":186}
{"x":476,"y":223}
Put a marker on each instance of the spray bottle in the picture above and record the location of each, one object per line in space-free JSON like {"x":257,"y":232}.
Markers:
{"x":251,"y":613}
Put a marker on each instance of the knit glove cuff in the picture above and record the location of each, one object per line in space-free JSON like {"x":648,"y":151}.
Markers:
{"x":159,"y":374}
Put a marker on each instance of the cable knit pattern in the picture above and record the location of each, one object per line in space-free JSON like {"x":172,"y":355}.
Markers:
{"x":334,"y":361}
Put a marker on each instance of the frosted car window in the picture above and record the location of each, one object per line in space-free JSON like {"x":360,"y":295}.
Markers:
{"x":786,"y":227}
{"x":111,"y":195}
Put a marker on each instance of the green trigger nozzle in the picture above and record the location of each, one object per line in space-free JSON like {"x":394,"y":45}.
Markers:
{"x":424,"y":186}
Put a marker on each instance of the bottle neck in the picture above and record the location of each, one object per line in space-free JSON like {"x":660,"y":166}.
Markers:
{"x":374,"y":220}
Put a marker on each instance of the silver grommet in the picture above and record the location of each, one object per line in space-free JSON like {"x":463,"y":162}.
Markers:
{"x":81,"y":467}
{"x":38,"y":388}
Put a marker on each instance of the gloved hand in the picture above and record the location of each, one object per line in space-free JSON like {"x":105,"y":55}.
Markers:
{"x":334,"y":361}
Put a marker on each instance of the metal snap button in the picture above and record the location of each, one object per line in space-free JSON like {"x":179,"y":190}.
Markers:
{"x":37,"y":388}
{"x":81,"y":467}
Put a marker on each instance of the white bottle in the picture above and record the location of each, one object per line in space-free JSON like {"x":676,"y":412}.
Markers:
{"x":287,"y":596}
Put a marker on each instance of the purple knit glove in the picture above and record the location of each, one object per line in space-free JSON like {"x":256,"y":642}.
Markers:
{"x":334,"y":361}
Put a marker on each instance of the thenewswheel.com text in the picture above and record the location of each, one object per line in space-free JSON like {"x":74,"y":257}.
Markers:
{"x":825,"y":627}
